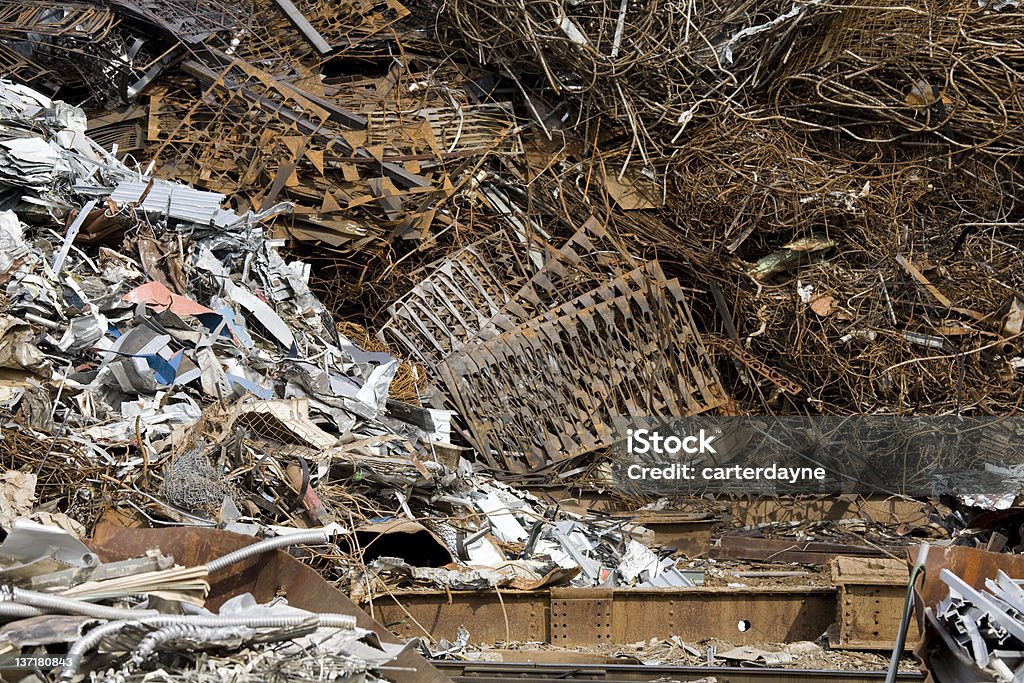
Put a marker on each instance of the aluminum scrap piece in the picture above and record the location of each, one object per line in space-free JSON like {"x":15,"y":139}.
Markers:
{"x":1002,"y":619}
{"x":175,"y":200}
{"x":76,"y":225}
{"x":556,"y":387}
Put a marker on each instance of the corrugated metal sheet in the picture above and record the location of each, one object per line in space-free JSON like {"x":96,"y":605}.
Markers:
{"x":175,"y":200}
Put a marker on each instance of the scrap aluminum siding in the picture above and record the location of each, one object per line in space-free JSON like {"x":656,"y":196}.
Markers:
{"x":176,"y":200}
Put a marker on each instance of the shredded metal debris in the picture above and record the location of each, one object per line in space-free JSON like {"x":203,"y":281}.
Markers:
{"x":384,"y":283}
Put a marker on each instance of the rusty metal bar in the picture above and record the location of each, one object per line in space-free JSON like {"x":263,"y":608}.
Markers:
{"x":540,"y":672}
{"x":615,"y":616}
{"x":789,"y":551}
{"x":304,"y":27}
{"x":870,"y":602}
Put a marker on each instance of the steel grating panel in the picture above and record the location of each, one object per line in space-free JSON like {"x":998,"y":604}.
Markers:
{"x":584,"y":262}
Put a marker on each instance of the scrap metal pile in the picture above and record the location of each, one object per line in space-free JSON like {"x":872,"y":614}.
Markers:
{"x":845,"y":173}
{"x":987,"y":626}
{"x":564,"y":214}
{"x":271,"y":265}
{"x":164,"y":364}
{"x":57,"y":591}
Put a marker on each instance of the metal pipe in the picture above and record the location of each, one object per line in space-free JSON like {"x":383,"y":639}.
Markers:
{"x":908,"y":605}
{"x":306,"y":537}
{"x":46,"y":602}
{"x":153,"y":640}
{"x":14,"y":610}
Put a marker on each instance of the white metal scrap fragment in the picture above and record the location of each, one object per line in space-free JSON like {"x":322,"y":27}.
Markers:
{"x":262,"y":312}
{"x":795,"y":11}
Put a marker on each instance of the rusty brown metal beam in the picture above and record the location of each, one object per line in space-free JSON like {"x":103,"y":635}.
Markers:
{"x":688,"y":532}
{"x":532,"y":672}
{"x":789,"y":551}
{"x":300,"y":22}
{"x":870,"y":599}
{"x":752,"y":512}
{"x":613,"y":616}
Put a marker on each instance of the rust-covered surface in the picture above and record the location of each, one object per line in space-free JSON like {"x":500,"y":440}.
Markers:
{"x":739,"y":547}
{"x":870,"y":596}
{"x":557,"y":387}
{"x":577,"y":616}
{"x":688,"y":533}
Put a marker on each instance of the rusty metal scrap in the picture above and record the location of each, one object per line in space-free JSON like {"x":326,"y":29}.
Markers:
{"x":304,"y":27}
{"x":71,"y":20}
{"x":542,"y":363}
{"x":41,"y":43}
{"x":558,"y":386}
{"x":455,"y":129}
{"x":295,"y":144}
{"x":474,"y":296}
{"x":343,"y":27}
{"x":584,"y":262}
{"x":192,"y":21}
{"x":754,"y":363}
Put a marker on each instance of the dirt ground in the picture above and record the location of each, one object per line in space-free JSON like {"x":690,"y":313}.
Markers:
{"x":804,"y":654}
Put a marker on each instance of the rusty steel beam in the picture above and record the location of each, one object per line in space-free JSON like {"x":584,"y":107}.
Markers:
{"x":687,"y":532}
{"x":591,"y":616}
{"x":541,"y":672}
{"x":790,"y":551}
{"x":870,"y":598}
{"x":301,"y":23}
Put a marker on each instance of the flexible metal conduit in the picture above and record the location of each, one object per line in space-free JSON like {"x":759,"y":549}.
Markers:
{"x":152,"y":641}
{"x":63,"y":605}
{"x":305,"y":537}
{"x":91,"y":639}
{"x":14,"y":610}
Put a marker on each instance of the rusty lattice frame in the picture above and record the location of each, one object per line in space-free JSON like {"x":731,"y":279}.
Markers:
{"x":555,"y":387}
{"x":542,"y":372}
